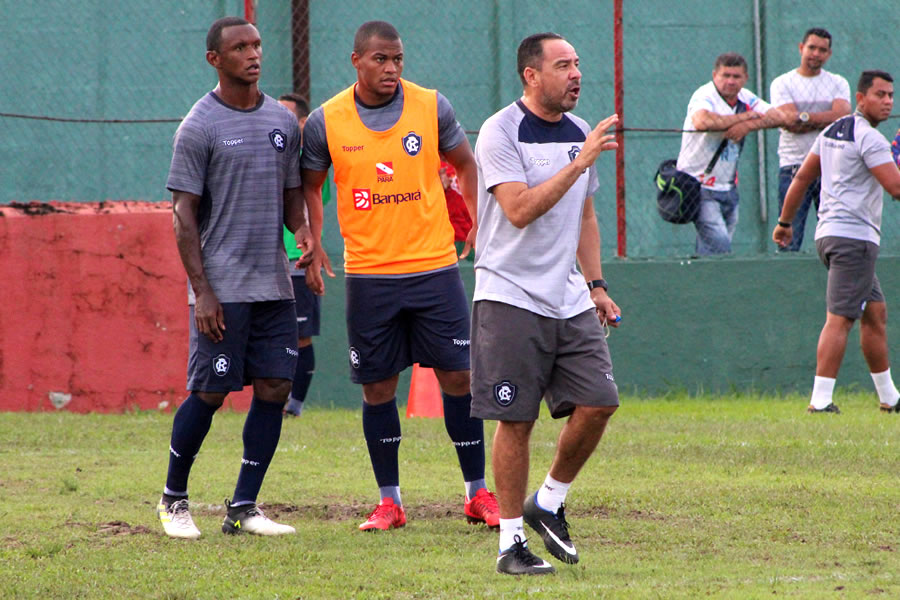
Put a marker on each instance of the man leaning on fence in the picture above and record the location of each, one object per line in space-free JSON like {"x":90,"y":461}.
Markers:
{"x":724,"y":111}
{"x":810,"y":98}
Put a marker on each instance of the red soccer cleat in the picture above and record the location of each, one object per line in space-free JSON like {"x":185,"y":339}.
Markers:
{"x":483,"y":509}
{"x":386,"y":515}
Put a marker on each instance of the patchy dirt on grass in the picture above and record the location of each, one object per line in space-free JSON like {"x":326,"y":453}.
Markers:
{"x":121,"y":528}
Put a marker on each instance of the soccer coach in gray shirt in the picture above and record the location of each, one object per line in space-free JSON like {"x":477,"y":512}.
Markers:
{"x":536,"y":321}
{"x":855,"y":163}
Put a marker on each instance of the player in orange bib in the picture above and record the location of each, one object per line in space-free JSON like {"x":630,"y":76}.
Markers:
{"x":405,"y":299}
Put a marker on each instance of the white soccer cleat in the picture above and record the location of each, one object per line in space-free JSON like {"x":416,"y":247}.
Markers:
{"x":250,"y":519}
{"x":176,"y":520}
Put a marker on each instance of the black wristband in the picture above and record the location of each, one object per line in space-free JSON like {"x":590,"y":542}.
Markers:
{"x":597,"y":283}
{"x":783,"y":224}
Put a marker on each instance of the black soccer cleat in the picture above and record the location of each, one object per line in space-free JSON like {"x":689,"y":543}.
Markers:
{"x":518,"y":560}
{"x":887,"y":408}
{"x":553,"y":529}
{"x":831,"y":408}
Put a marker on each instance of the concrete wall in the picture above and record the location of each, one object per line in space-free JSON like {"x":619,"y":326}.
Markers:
{"x":95,"y":318}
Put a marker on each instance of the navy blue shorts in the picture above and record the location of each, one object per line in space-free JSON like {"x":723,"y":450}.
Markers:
{"x":260,"y":343}
{"x":308,"y":305}
{"x":395,"y":322}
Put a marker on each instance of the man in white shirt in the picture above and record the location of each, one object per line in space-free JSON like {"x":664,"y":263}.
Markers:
{"x":723,"y":111}
{"x":854,"y":161}
{"x":810,"y":98}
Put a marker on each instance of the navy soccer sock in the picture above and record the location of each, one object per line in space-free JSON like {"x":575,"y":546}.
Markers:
{"x":189,"y":428}
{"x":467,"y":433}
{"x":261,"y":432}
{"x":381,"y":427}
{"x":306,"y":364}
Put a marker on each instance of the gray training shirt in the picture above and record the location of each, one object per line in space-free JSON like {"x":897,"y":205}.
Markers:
{"x":377,"y":118}
{"x":239,"y":162}
{"x":851,"y":200}
{"x":534,"y":267}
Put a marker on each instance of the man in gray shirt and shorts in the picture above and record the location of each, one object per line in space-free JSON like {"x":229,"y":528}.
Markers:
{"x":537,"y":322}
{"x":235,"y":178}
{"x":855,"y":163}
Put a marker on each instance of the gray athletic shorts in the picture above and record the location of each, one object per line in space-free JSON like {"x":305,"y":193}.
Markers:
{"x":851,"y":275}
{"x":519,"y":357}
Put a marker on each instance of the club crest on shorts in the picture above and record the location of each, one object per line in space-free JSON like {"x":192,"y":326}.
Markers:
{"x":573,"y":152}
{"x":221,"y":364}
{"x":505,"y":393}
{"x":278,"y":139}
{"x":354,"y":357}
{"x":412,"y":143}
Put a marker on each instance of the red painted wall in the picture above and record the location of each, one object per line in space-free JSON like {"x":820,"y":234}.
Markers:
{"x":93,"y":304}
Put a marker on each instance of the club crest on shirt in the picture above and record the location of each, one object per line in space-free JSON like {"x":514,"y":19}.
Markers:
{"x":573,"y":152}
{"x":412,"y":143}
{"x":221,"y":364}
{"x":505,"y":393}
{"x":278,"y":139}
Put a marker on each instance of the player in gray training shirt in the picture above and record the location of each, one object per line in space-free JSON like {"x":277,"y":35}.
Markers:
{"x":535,"y":327}
{"x":238,"y":162}
{"x":235,"y":180}
{"x":855,"y":163}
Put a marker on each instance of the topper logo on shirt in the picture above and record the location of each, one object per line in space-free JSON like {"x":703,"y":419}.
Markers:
{"x":384,"y":172}
{"x":362,"y":199}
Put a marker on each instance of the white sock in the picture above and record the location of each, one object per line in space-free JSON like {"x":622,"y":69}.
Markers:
{"x":552,"y":494}
{"x":509,"y":529}
{"x":884,"y":385}
{"x":823,"y":389}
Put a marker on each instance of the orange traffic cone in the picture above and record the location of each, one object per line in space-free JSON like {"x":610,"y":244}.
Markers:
{"x":424,"y":394}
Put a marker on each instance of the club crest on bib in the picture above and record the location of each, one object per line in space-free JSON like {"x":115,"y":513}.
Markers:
{"x":412,"y":143}
{"x":221,"y":364}
{"x":573,"y":152}
{"x":278,"y":139}
{"x":505,"y":393}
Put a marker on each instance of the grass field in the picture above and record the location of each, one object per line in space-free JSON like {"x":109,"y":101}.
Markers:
{"x":726,"y":497}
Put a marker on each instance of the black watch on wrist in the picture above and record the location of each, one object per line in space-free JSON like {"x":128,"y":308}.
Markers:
{"x":783,"y":224}
{"x":598,"y":283}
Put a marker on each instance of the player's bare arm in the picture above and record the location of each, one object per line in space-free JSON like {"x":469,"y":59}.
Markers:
{"x":888,"y":175}
{"x":806,"y":174}
{"x":208,"y":313}
{"x":463,"y":161}
{"x":295,"y":221}
{"x":311,"y":187}
{"x":522,"y":204}
{"x":589,"y":259}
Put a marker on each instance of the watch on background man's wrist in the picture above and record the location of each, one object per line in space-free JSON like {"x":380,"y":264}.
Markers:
{"x":598,"y":283}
